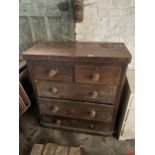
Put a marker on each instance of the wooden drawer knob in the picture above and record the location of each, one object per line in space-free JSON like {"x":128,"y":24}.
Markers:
{"x":52,"y":73}
{"x":54,"y":90}
{"x":91,"y":126}
{"x":96,"y":77}
{"x":94,"y":94}
{"x":55,"y":109}
{"x":58,"y":122}
{"x":92,"y":114}
{"x":36,"y":81}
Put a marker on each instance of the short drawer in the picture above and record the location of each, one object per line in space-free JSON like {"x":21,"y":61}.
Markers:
{"x":97,"y":75}
{"x":49,"y":71}
{"x":76,"y":110}
{"x":76,"y":125}
{"x":73,"y":91}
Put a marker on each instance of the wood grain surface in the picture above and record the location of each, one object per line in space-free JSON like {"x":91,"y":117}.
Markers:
{"x":78,"y":85}
{"x":76,"y":110}
{"x":94,"y":51}
{"x":54,"y":149}
{"x":73,"y":91}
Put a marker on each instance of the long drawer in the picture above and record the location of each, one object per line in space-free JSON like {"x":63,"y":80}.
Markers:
{"x":73,"y":91}
{"x":76,"y":110}
{"x":76,"y":125}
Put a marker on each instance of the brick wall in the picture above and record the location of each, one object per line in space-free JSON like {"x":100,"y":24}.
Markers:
{"x":108,"y":20}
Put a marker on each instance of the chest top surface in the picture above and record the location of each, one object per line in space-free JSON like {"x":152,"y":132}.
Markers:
{"x":116,"y":52}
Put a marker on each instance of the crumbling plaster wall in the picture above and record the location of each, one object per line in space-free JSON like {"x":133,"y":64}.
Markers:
{"x":110,"y":21}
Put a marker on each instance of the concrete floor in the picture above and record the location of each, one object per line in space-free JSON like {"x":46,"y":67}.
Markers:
{"x":31,"y":132}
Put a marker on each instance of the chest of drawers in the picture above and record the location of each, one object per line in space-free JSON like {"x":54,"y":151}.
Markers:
{"x":78,"y":85}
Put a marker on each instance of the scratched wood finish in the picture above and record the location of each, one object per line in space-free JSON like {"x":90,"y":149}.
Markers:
{"x":76,"y":110}
{"x":76,"y":125}
{"x":54,"y":149}
{"x":72,"y":92}
{"x":106,"y":75}
{"x":61,"y":150}
{"x":41,"y":71}
{"x":74,"y":151}
{"x":37,"y":149}
{"x":48,"y":20}
{"x":49,"y":149}
{"x":97,"y":52}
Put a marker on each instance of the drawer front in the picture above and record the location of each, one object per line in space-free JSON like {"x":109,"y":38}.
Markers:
{"x":76,"y":110}
{"x":84,"y":126}
{"x":74,"y":91}
{"x":53,"y":72}
{"x":97,"y":75}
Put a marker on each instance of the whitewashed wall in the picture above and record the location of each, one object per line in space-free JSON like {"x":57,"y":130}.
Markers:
{"x":108,"y":20}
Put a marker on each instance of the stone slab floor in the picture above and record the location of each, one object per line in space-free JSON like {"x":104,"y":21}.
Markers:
{"x":31,"y":132}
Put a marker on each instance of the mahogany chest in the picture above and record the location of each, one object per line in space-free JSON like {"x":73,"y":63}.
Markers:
{"x":78,"y":85}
